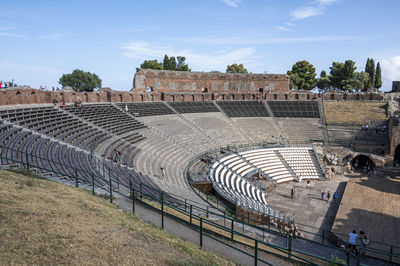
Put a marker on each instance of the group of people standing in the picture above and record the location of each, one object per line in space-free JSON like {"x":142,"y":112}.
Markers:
{"x":362,"y":240}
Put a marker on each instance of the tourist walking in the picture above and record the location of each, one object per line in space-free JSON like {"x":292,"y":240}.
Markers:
{"x":335,"y":197}
{"x":162,"y":172}
{"x":322,"y":195}
{"x":308,"y":184}
{"x":328,"y":196}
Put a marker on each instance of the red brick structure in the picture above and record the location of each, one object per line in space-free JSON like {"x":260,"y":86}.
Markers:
{"x":208,"y":82}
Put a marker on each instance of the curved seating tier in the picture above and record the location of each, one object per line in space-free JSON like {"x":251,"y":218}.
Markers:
{"x":194,"y":107}
{"x":107,"y":117}
{"x":243,"y":108}
{"x":279,"y":164}
{"x":29,"y":148}
{"x":147,"y":109}
{"x":55,"y":123}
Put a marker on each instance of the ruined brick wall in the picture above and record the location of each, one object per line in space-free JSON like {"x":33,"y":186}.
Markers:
{"x":183,"y":81}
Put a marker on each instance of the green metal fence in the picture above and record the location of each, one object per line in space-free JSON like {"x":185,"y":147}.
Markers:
{"x":197,"y":214}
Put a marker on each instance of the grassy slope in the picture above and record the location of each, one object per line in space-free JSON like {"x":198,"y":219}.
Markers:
{"x":353,"y":112}
{"x":44,"y":222}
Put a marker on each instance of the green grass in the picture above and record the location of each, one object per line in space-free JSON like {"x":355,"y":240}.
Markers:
{"x":48,"y":223}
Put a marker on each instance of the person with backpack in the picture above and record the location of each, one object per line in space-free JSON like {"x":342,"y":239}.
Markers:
{"x":363,"y":242}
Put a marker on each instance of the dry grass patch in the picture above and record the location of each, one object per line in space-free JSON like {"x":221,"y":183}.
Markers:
{"x":358,"y":113}
{"x":44,"y":222}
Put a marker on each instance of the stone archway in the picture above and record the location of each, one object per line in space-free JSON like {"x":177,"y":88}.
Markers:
{"x":396,"y":161}
{"x":361,"y":163}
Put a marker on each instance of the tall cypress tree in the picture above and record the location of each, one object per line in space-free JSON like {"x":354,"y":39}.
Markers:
{"x":378,"y":77}
{"x":371,"y":73}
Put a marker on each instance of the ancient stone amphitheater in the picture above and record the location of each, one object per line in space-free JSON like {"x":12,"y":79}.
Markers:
{"x":223,"y":148}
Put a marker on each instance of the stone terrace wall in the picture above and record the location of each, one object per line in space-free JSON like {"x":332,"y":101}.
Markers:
{"x":15,"y":96}
{"x":183,"y":81}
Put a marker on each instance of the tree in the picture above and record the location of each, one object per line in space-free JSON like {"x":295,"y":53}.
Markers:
{"x":342,"y":75}
{"x":235,"y":68}
{"x":151,"y":64}
{"x":80,"y":80}
{"x":169,"y":63}
{"x":182,"y":66}
{"x":378,"y":76}
{"x":336,"y":75}
{"x":323,"y":83}
{"x":370,"y":69}
{"x":302,"y":76}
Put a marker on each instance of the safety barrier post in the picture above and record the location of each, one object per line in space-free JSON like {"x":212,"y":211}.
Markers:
{"x":358,"y":256}
{"x":207,"y":211}
{"x":141,"y":194}
{"x":224,"y":219}
{"x":76,"y":177}
{"x":110,"y":190}
{"x":185,"y":204}
{"x":201,"y":232}
{"x":162,"y":210}
{"x":391,"y":252}
{"x":191,"y":207}
{"x":27,"y":161}
{"x":92,"y":183}
{"x":255,"y":252}
{"x":232,"y":229}
{"x":133,"y":199}
{"x":348,"y":257}
{"x":290,"y":248}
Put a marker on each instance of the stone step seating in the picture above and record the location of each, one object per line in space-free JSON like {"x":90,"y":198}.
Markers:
{"x":243,"y":108}
{"x":176,"y":130}
{"x":54,"y":123}
{"x":301,"y":130}
{"x":235,"y":188}
{"x":217,"y":126}
{"x":160,"y":152}
{"x":294,"y":108}
{"x":259,"y":129}
{"x":107,"y":117}
{"x":147,"y":108}
{"x":284,"y":164}
{"x":127,"y":150}
{"x":47,"y":156}
{"x":193,"y":107}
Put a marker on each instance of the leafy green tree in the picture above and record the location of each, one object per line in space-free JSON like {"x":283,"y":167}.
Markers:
{"x":378,"y":76}
{"x":370,"y":69}
{"x":341,"y":75}
{"x":235,"y":68}
{"x":80,"y":80}
{"x":150,"y":64}
{"x":302,"y":76}
{"x":181,"y":65}
{"x":169,"y":63}
{"x":336,"y":75}
{"x":323,"y":83}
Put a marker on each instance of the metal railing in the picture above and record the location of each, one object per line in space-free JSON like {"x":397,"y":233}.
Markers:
{"x":223,"y":227}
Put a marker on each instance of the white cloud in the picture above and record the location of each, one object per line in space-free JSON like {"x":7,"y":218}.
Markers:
{"x":15,"y":35}
{"x":25,"y":67}
{"x":52,"y":36}
{"x":232,"y":3}
{"x":305,"y":12}
{"x":200,"y":61}
{"x":315,"y":8}
{"x":326,"y":2}
{"x":282,"y":28}
{"x":391,"y":68}
{"x":290,"y":24}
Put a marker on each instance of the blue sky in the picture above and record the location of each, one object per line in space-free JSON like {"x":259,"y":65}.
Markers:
{"x":41,"y":40}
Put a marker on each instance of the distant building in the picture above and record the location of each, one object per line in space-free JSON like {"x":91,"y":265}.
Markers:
{"x":396,"y":86}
